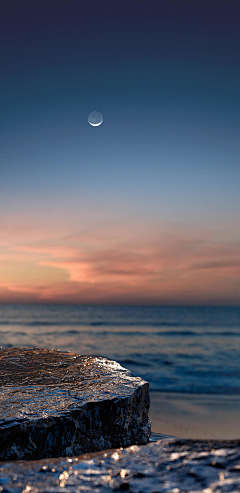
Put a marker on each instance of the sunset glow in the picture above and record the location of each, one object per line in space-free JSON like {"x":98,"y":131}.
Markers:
{"x":145,"y":207}
{"x":166,"y":265}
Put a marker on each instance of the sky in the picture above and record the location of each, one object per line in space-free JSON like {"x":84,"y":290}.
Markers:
{"x":145,"y":208}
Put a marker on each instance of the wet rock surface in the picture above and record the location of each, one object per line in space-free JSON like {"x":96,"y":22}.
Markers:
{"x":56,"y":404}
{"x":168,"y":465}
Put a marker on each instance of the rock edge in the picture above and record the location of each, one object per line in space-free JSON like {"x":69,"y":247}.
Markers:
{"x":57,"y":404}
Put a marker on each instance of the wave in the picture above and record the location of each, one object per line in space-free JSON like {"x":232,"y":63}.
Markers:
{"x":134,"y":362}
{"x":103,"y":333}
{"x":100,"y":324}
{"x":227,"y":391}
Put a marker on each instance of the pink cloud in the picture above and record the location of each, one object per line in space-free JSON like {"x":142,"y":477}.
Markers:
{"x":117,"y":263}
{"x":217,"y":264}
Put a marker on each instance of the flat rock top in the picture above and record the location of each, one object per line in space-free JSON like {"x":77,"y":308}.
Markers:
{"x":59,"y":381}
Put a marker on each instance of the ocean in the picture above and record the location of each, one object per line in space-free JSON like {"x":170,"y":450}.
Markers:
{"x":189,"y":355}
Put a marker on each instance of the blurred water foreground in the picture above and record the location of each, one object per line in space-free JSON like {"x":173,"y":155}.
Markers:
{"x":168,"y":465}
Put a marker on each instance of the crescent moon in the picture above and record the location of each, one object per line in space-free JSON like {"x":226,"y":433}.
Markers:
{"x":95,"y":118}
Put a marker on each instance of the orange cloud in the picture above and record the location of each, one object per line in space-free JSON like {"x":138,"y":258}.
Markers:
{"x":119,"y":263}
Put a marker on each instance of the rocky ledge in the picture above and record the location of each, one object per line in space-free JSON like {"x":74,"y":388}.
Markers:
{"x":55,"y":404}
{"x":167,"y":466}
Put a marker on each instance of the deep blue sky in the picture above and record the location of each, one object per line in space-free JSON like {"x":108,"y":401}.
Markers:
{"x":166,"y":77}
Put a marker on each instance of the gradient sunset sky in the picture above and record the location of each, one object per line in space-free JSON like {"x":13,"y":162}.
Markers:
{"x":144,"y":209}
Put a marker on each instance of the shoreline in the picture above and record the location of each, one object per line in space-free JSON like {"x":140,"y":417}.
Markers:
{"x":195,"y":416}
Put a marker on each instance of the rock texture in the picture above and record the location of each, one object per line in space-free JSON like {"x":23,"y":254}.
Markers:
{"x":169,"y":466}
{"x":56,"y":404}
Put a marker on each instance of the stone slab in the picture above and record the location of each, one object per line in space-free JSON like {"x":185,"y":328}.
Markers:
{"x":163,"y":466}
{"x":56,"y":404}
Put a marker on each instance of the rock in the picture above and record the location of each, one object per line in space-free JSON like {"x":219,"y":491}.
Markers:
{"x":56,"y":404}
{"x":168,"y":465}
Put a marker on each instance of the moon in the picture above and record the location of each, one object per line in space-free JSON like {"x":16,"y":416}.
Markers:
{"x":95,"y":119}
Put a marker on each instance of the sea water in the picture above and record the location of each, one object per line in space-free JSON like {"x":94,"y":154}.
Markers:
{"x":189,"y":355}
